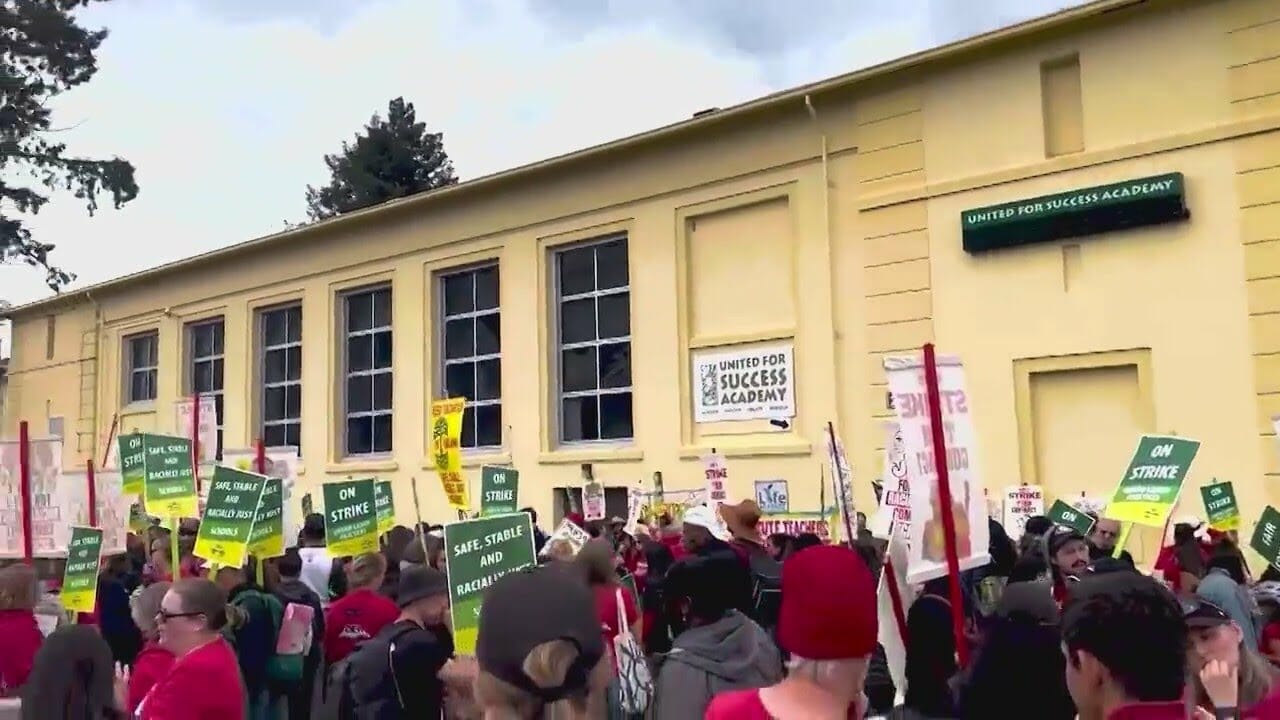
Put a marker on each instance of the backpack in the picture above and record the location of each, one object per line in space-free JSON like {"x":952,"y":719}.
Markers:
{"x":284,"y":672}
{"x":766,"y":587}
{"x":363,"y":684}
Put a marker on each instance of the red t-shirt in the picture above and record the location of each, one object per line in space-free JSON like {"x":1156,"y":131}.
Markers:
{"x":607,"y":609}
{"x":204,"y":684}
{"x":22,"y":638}
{"x":354,"y":618}
{"x":747,"y":705}
{"x":152,"y":664}
{"x":1150,"y":711}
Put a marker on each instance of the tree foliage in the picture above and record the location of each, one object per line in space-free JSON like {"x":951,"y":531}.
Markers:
{"x":43,"y":53}
{"x":393,"y":158}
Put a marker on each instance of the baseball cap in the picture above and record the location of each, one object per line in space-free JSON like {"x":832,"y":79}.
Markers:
{"x":1061,"y":535}
{"x":530,"y":607}
{"x":419,"y":582}
{"x":1201,"y":613}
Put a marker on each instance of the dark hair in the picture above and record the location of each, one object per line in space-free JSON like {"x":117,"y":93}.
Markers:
{"x":706,"y":582}
{"x":205,"y":598}
{"x":1036,"y":525}
{"x":1227,"y":557}
{"x":290,"y":564}
{"x":1001,"y":548}
{"x":595,"y":562}
{"x":781,"y":541}
{"x":1133,"y":626}
{"x":803,"y":541}
{"x":313,"y":528}
{"x":71,"y":677}
{"x":533,"y":514}
{"x":1022,"y":648}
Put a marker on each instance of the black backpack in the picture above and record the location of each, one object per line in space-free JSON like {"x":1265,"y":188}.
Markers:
{"x":766,"y":587}
{"x":363,"y":685}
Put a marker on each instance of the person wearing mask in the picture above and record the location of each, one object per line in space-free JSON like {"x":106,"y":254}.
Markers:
{"x":717,"y":648}
{"x":322,"y":572}
{"x":361,"y":613}
{"x":1224,"y":586}
{"x":1103,"y":537}
{"x":1218,"y":652}
{"x":829,"y":625}
{"x":539,"y":651}
{"x":72,"y":678}
{"x":154,"y":660}
{"x":291,"y":589}
{"x":254,"y":635}
{"x":1068,"y":557}
{"x":18,"y":627}
{"x":113,"y":615}
{"x":1125,"y":643}
{"x":1021,"y":641}
{"x":204,"y":682}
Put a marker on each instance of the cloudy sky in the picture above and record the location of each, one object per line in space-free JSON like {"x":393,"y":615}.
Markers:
{"x":226,"y":107}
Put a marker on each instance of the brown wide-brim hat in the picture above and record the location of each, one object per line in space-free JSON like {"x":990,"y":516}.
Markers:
{"x":742,"y":520}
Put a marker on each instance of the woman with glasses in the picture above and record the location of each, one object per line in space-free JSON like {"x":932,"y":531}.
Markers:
{"x":1227,"y":675}
{"x":204,"y":682}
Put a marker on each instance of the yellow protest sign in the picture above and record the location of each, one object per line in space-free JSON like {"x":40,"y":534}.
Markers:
{"x":446,"y":449}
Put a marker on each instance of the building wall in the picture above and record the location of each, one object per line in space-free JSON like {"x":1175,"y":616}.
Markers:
{"x":839,"y":230}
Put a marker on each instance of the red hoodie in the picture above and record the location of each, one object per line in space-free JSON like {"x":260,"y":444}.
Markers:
{"x":202,"y":685}
{"x":354,"y":618}
{"x":152,"y":664}
{"x":22,"y":638}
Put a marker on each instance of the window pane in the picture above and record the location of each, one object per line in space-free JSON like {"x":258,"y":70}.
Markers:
{"x":578,"y":369}
{"x":615,"y":416}
{"x":218,"y":338}
{"x":202,"y":377}
{"x":382,"y":391}
{"x":293,"y":363}
{"x":293,"y":435}
{"x":468,"y":429}
{"x":202,"y":340}
{"x":382,"y":349}
{"x":488,"y":334}
{"x":139,"y":352}
{"x":460,"y":380}
{"x":488,"y":380}
{"x":359,"y":435}
{"x":488,"y":425}
{"x":487,"y":288}
{"x":359,"y":394}
{"x":458,"y":339}
{"x":293,"y":318}
{"x":382,"y":433}
{"x":576,"y":273}
{"x":149,"y":385}
{"x":293,"y":401}
{"x":382,"y":308}
{"x":218,"y":376}
{"x":615,"y":315}
{"x":611,"y":265}
{"x":273,"y":404}
{"x":359,"y":312}
{"x":273,"y":435}
{"x":138,"y":386}
{"x":578,"y":419}
{"x":359,"y":353}
{"x":577,"y":321}
{"x":273,"y":366}
{"x":274,"y":328}
{"x":217,"y":409}
{"x":615,"y":365}
{"x":458,"y":294}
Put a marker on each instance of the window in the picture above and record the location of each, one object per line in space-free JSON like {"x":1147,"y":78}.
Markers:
{"x":142,"y":357}
{"x":367,"y":370}
{"x":205,"y":348}
{"x":472,"y":352}
{"x":593,"y":303}
{"x":281,"y":367}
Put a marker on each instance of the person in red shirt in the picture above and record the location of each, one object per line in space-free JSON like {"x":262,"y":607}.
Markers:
{"x":596,"y":563}
{"x":828,"y":623}
{"x":18,"y":627}
{"x":204,"y":682}
{"x":362,"y":612}
{"x":154,"y":660}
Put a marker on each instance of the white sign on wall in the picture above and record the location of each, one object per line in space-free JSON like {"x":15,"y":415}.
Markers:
{"x":749,"y":382}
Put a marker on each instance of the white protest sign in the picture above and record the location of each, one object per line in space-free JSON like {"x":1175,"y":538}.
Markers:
{"x":593,"y":505}
{"x":1020,"y":503}
{"x":567,"y":532}
{"x":747,"y":382}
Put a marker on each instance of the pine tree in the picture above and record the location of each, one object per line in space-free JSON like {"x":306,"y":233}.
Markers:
{"x":394,"y":157}
{"x":43,"y":53}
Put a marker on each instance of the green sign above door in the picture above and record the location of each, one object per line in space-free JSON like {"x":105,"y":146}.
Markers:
{"x":1089,"y":211}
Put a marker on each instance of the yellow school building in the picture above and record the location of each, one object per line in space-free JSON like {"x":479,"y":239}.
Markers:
{"x":1084,"y":207}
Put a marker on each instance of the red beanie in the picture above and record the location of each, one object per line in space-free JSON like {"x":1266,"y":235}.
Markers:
{"x":828,"y":605}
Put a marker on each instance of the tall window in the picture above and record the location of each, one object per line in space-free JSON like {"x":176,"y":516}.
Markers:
{"x":281,"y":393}
{"x":593,"y":299}
{"x":472,"y":357}
{"x":367,"y":395}
{"x":205,"y":348}
{"x":142,"y":358}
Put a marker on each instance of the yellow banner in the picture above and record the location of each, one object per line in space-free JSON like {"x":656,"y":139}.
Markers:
{"x":446,"y":449}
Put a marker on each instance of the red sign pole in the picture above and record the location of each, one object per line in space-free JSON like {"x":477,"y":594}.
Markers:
{"x":111,"y":437}
{"x":260,"y":462}
{"x":93,"y":494}
{"x":24,"y":484}
{"x":195,"y":438}
{"x":895,"y":598}
{"x":944,"y":497}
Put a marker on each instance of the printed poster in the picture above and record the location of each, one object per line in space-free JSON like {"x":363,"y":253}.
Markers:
{"x":267,"y":539}
{"x":477,"y":553}
{"x":227,"y":524}
{"x":1020,"y":503}
{"x":446,"y":450}
{"x":968,"y":511}
{"x":567,"y":532}
{"x":12,"y":511}
{"x":56,"y":504}
{"x":771,"y":496}
{"x":385,"y":502}
{"x":281,"y":463}
{"x":895,"y":496}
{"x":184,"y":416}
{"x":112,"y":512}
{"x":169,"y":480}
{"x":1150,"y":486}
{"x":635,"y":509}
{"x":499,"y":490}
{"x":80,"y":577}
{"x":746,"y":382}
{"x":841,"y":484}
{"x":1220,"y":505}
{"x":1066,"y":515}
{"x":716,"y":475}
{"x":593,"y":505}
{"x":350,"y":518}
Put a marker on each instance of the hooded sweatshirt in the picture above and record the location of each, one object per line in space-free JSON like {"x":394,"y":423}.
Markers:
{"x":732,"y":653}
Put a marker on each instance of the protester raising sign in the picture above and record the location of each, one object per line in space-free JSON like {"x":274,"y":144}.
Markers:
{"x":1220,"y":504}
{"x":566,"y":541}
{"x":477,"y":553}
{"x":1150,"y":486}
{"x":350,"y":517}
{"x":499,"y":488}
{"x":168,"y":476}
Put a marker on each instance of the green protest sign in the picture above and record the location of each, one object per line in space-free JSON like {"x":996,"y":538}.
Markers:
{"x":168,"y":477}
{"x":384,"y":501}
{"x":267,"y":538}
{"x":1266,"y":536}
{"x":1220,"y":504}
{"x":499,"y":490}
{"x":1063,"y":514}
{"x":1150,"y":486}
{"x":350,"y":518}
{"x":477,"y":553}
{"x":131,"y":458}
{"x":228,"y":517}
{"x":80,"y":578}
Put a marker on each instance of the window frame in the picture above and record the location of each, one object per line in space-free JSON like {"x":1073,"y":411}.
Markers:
{"x":344,"y":336}
{"x":442,"y":361}
{"x":261,"y":385}
{"x":558,"y":346}
{"x":189,"y":368}
{"x":126,"y":348}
